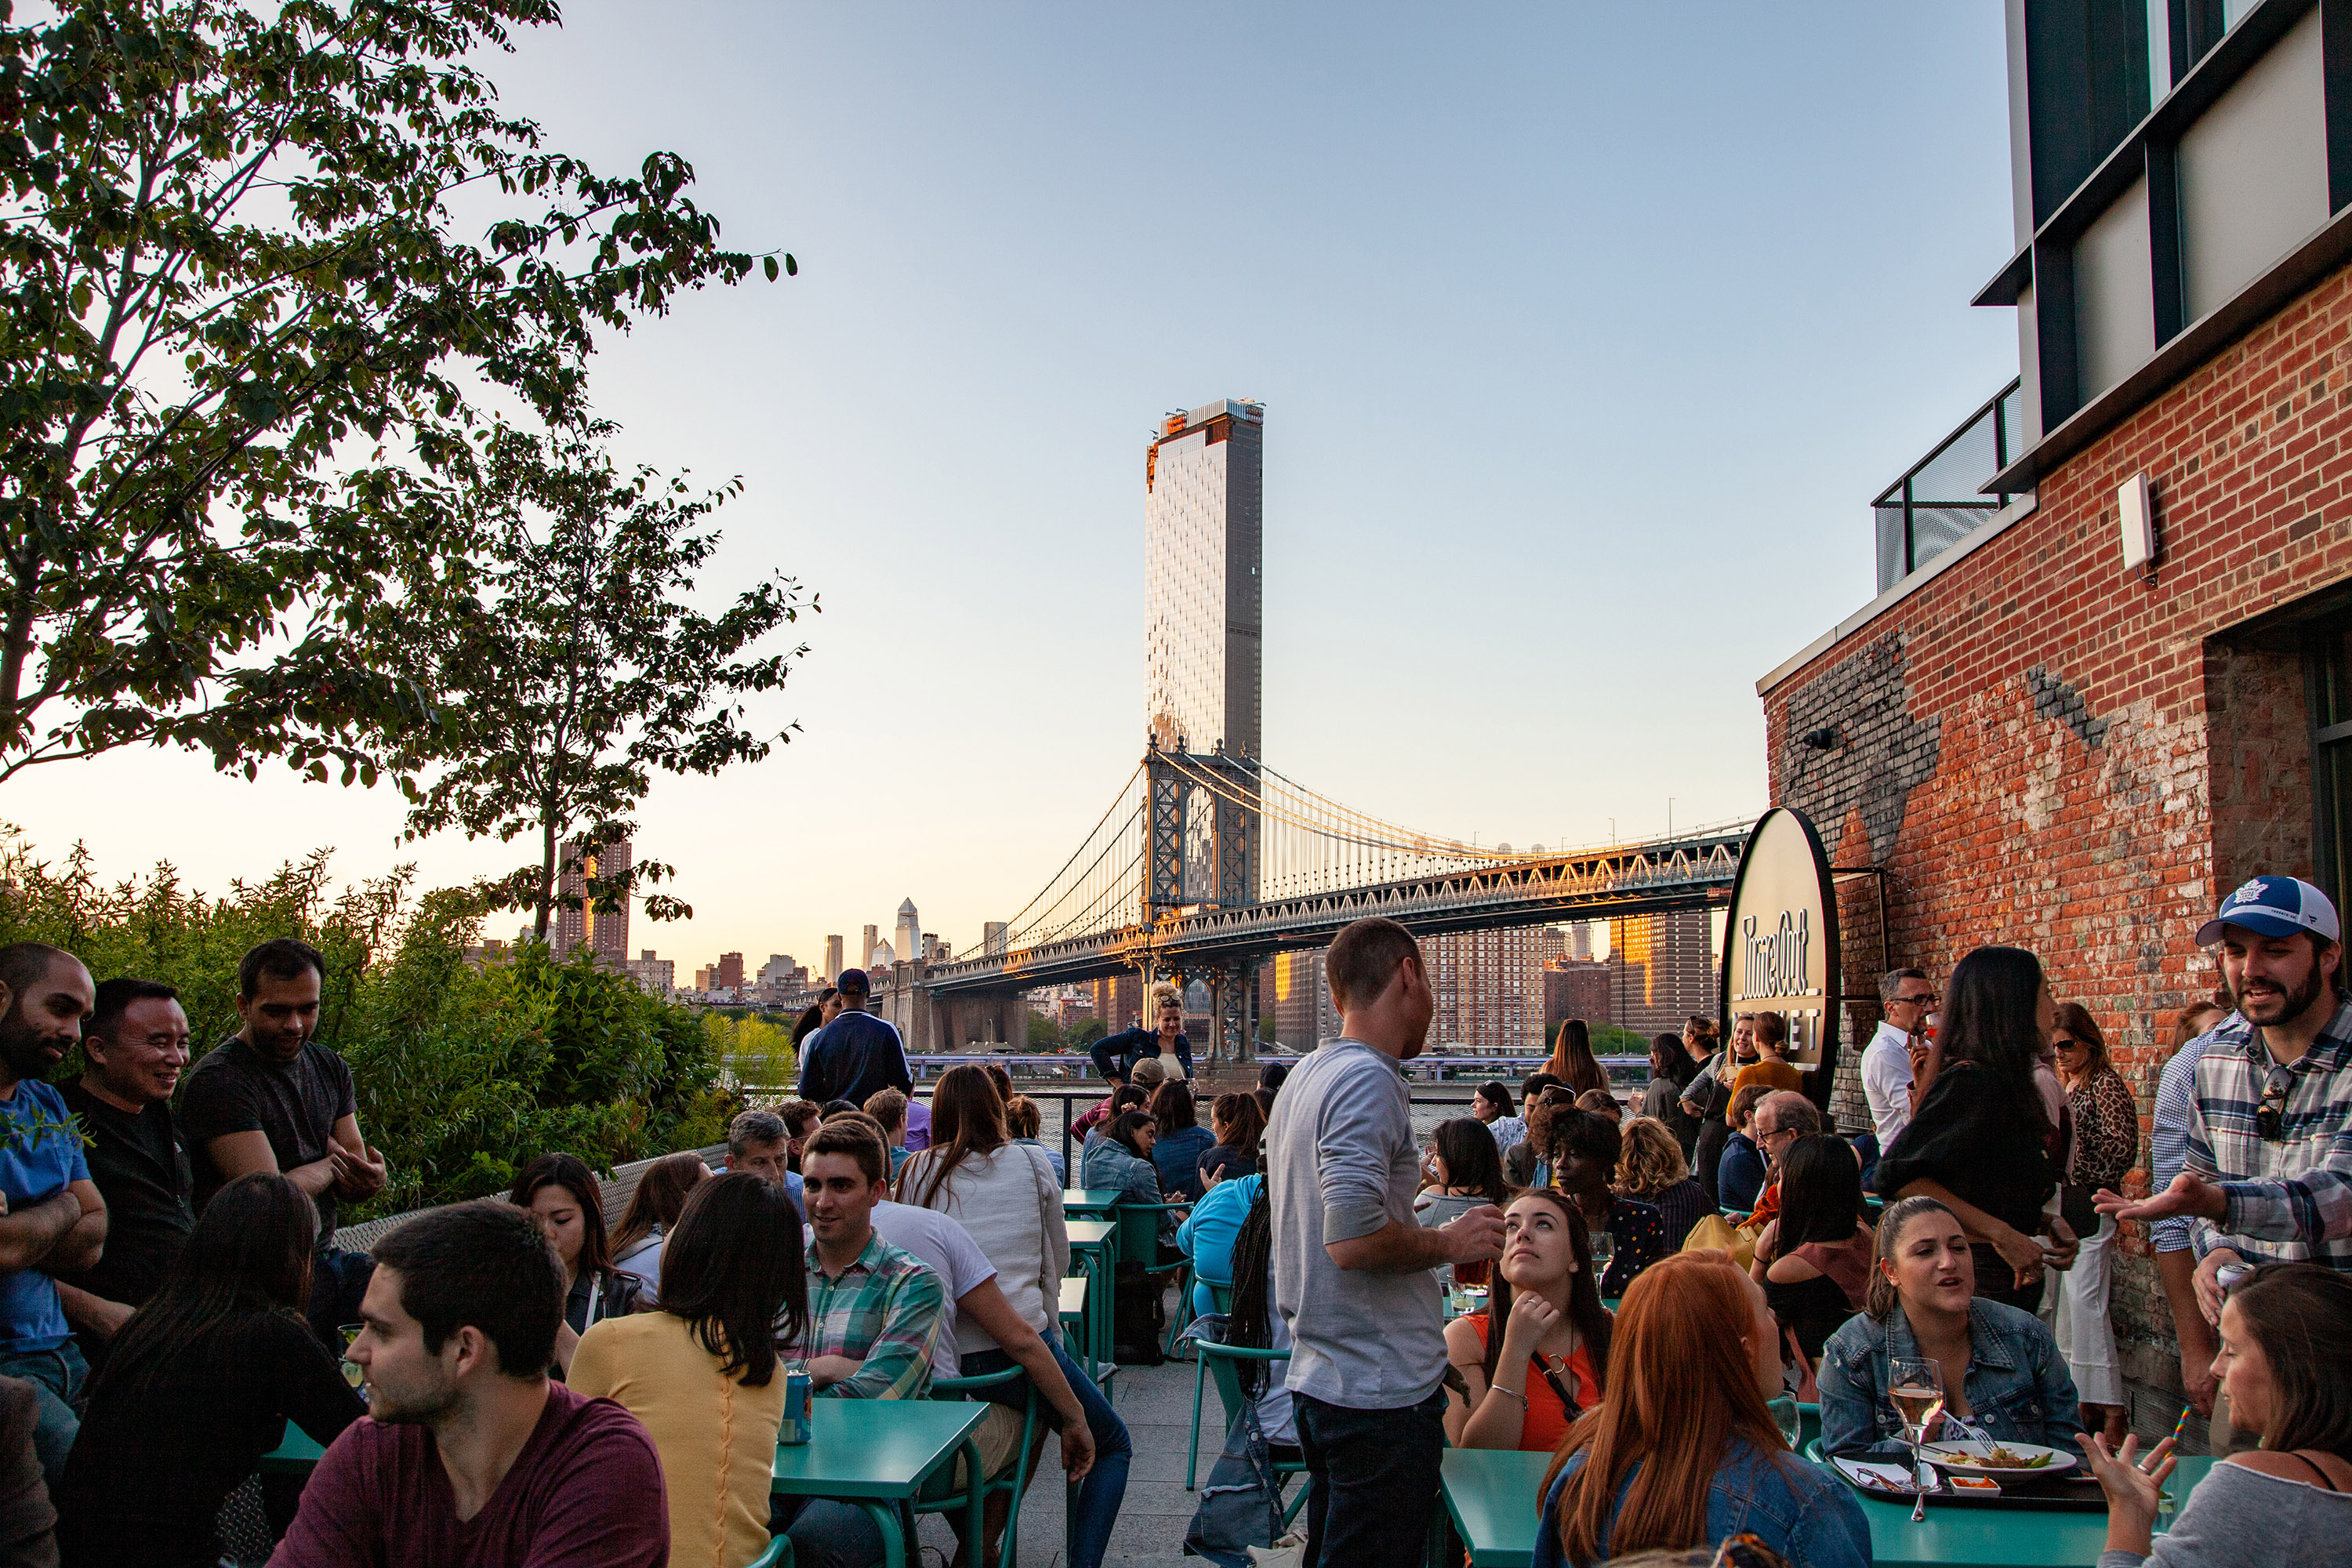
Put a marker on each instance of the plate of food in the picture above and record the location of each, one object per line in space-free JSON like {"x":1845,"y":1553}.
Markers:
{"x":1998,"y":1458}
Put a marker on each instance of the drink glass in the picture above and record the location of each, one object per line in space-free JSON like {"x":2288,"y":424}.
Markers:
{"x":1605,"y":1252}
{"x":1785,"y":1415}
{"x":1915,"y":1385}
{"x":353,"y":1374}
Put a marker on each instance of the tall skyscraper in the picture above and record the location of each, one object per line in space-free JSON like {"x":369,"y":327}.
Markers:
{"x":832,"y":961}
{"x":604,"y":933}
{"x":1489,"y":988}
{"x":1203,"y":598}
{"x":1662,"y":970}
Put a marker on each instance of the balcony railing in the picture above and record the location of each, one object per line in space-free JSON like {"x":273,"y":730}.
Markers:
{"x":1942,"y":500}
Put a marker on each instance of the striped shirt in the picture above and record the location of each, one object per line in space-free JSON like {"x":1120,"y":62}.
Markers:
{"x":2168,"y":1137}
{"x":2290,"y":1200}
{"x":885,"y":1309}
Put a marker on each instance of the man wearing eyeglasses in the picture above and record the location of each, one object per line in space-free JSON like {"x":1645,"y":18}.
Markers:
{"x":1891,"y":1061}
{"x":2268,"y":1177}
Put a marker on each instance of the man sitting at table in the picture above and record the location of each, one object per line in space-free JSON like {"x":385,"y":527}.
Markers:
{"x":475,"y":1458}
{"x":875,"y":1313}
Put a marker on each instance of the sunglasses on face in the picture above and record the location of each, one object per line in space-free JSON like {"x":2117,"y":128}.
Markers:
{"x":2270,"y":1115}
{"x":1921,"y":1000}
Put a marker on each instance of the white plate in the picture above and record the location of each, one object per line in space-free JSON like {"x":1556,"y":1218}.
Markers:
{"x":1966,"y":1458}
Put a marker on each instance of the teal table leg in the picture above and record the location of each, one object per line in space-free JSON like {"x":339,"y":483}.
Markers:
{"x":886,"y":1519}
{"x":976,"y":1502}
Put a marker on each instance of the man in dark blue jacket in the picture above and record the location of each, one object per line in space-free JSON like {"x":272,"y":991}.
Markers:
{"x":855,"y":1055}
{"x":1116,"y":1055}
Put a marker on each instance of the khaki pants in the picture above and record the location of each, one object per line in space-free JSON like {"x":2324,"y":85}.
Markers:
{"x":997,"y":1439}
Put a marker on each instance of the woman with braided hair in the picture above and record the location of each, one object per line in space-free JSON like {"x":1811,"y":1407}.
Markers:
{"x":1253,"y":1324}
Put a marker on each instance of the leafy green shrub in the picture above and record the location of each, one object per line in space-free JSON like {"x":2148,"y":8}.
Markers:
{"x":463,"y":1069}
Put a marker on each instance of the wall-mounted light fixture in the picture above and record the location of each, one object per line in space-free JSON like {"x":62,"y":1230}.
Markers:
{"x":1824,"y":738}
{"x":2135,"y":519}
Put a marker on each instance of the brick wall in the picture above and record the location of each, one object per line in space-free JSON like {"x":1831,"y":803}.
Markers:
{"x":2038,"y":748}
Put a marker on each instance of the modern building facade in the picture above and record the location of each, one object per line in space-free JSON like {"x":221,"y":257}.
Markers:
{"x":655,"y":976}
{"x":604,"y":933}
{"x":1489,"y":988}
{"x":2109,"y":683}
{"x":1577,"y":986}
{"x":1292,"y":993}
{"x":1203,"y":607}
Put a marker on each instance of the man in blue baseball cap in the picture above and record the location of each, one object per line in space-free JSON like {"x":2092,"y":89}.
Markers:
{"x":2268,"y":1176}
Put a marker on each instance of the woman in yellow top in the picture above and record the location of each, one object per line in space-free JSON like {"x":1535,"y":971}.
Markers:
{"x":700,"y":1373}
{"x":1770,"y":1067}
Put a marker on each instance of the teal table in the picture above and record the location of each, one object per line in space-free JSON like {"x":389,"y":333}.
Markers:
{"x":1997,"y":1538}
{"x":1094,"y":1250}
{"x":297,"y":1455}
{"x":1491,"y":1497}
{"x":877,"y":1454}
{"x":1088,"y":1203}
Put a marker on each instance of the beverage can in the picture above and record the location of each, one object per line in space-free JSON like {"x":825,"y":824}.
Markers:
{"x":797,"y":1391}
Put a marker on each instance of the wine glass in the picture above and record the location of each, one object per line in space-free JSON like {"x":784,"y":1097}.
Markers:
{"x":1790,"y":1419}
{"x":1915,"y":1384}
{"x":1605,"y":1251}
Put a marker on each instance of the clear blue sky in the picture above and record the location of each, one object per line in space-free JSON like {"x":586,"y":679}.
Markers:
{"x":1587,"y":335}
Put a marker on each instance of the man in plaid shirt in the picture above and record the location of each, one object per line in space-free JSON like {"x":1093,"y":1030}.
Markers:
{"x":874,"y":1313}
{"x":2268,"y":1177}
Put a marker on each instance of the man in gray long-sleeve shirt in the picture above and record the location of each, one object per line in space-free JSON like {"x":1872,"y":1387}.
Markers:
{"x":1351,"y":1263}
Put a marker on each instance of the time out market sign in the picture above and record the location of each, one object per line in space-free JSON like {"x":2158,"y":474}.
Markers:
{"x":1780,"y":943}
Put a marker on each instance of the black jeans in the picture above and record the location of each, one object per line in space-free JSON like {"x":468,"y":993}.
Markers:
{"x":1372,"y":1480}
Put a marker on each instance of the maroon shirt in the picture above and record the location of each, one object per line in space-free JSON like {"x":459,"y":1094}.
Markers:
{"x":585,"y":1492}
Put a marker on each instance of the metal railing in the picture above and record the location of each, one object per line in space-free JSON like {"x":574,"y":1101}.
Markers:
{"x":1942,"y":500}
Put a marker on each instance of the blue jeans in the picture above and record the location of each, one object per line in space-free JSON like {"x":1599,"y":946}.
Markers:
{"x":56,"y":1378}
{"x":1105,"y":1488}
{"x":1372,"y":1480}
{"x":829,"y":1534}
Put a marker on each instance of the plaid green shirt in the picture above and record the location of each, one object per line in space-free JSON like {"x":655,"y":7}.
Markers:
{"x":885,"y":1310}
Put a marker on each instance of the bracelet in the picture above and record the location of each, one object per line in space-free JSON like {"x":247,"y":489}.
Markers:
{"x":1514,"y":1393}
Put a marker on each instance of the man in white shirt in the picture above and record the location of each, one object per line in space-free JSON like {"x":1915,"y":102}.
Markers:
{"x":1890,"y":1062}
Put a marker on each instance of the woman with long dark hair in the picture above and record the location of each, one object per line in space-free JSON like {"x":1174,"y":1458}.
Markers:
{"x":1813,"y":1260}
{"x":1179,"y":1141}
{"x":2104,"y":1145}
{"x":1006,"y":1194}
{"x":1979,"y":1140}
{"x":200,"y":1384}
{"x":2287,"y":1363}
{"x":1465,"y":1171}
{"x":652,"y":1215}
{"x":562,"y":1194}
{"x":1572,"y":1061}
{"x":1238,"y":1124}
{"x":1684,"y":1451}
{"x":1254,"y":1324}
{"x":1537,"y":1357}
{"x":1671,"y":1071}
{"x":700,"y":1373}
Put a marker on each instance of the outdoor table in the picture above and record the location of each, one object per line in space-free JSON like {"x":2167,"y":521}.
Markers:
{"x":1491,"y":1497}
{"x":297,"y":1455}
{"x":1074,"y":1306}
{"x":877,"y":1454}
{"x":1094,"y":1249}
{"x":1999,"y":1537}
{"x":1088,"y":1203}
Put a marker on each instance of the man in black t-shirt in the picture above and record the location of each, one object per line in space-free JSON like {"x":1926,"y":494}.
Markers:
{"x":134,"y":1047}
{"x":270,"y":1098}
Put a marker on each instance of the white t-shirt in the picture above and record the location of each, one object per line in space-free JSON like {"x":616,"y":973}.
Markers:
{"x":951,"y":1254}
{"x":1886,"y":1083}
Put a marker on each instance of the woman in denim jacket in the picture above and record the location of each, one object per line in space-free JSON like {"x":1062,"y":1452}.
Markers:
{"x":2003,"y":1373}
{"x":1683,"y":1451}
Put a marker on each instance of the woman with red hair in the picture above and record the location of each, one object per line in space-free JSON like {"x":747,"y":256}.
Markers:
{"x":1682,"y":1450}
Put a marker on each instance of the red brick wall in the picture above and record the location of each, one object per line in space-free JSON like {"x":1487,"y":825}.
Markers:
{"x":2042,"y":749}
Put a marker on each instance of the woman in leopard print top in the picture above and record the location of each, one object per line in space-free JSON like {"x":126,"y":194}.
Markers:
{"x":2106,"y":1141}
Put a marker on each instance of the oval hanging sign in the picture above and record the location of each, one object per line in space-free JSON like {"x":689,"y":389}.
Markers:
{"x":1781,"y":942}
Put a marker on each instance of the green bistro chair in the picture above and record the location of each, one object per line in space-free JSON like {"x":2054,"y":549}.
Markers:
{"x":779,"y":1553}
{"x":1139,"y":1242}
{"x":1223,"y":1363}
{"x":1222,"y":1297}
{"x":1014,"y":1484}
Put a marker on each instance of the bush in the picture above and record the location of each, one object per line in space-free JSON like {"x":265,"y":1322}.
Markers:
{"x":462,"y":1070}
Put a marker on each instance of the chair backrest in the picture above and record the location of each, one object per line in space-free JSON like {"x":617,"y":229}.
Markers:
{"x":1221,"y":1295}
{"x":1139,"y":1231}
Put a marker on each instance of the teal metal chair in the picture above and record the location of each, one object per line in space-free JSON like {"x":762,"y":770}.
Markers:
{"x":1222,"y":1297}
{"x":779,"y":1553}
{"x":1223,"y":1363}
{"x":1139,"y":1242}
{"x":1014,"y":1484}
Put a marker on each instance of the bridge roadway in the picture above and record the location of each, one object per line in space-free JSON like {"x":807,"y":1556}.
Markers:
{"x":1691,"y":871}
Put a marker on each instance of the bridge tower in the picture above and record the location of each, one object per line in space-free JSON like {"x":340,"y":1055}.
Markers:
{"x":1202,"y":850}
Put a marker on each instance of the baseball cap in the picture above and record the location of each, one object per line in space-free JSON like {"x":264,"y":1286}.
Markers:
{"x":853,"y":981}
{"x":2275,"y":906}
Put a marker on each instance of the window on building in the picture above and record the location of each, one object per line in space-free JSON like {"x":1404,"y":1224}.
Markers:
{"x":2331,"y":757}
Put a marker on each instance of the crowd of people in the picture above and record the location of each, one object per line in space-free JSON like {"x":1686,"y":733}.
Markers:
{"x":1642,"y":1292}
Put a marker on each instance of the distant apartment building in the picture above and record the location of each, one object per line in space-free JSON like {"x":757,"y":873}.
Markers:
{"x":702,"y":980}
{"x":781,"y":973}
{"x":604,"y":933}
{"x":1662,"y":969}
{"x":1576,"y":986}
{"x":832,"y":964}
{"x":729,"y":973}
{"x":1118,"y":1001}
{"x":1291,"y":991}
{"x":655,"y":976}
{"x":1489,"y":988}
{"x":1203,"y":594}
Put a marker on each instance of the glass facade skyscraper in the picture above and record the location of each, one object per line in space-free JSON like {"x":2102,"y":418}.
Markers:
{"x":1202,"y":593}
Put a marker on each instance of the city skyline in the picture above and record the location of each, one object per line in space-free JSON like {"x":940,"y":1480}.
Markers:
{"x":1491,"y":319}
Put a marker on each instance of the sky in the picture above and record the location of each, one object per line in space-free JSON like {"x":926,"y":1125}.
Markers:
{"x":1586,"y":335}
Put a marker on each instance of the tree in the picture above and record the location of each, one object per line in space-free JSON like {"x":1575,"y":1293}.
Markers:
{"x":1086,"y":1032}
{"x":240,"y":328}
{"x":571,"y":667}
{"x":1045,"y":1035}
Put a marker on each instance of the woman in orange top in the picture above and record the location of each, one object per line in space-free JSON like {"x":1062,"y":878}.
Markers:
{"x":1535,"y":1360}
{"x":1770,"y":1067}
